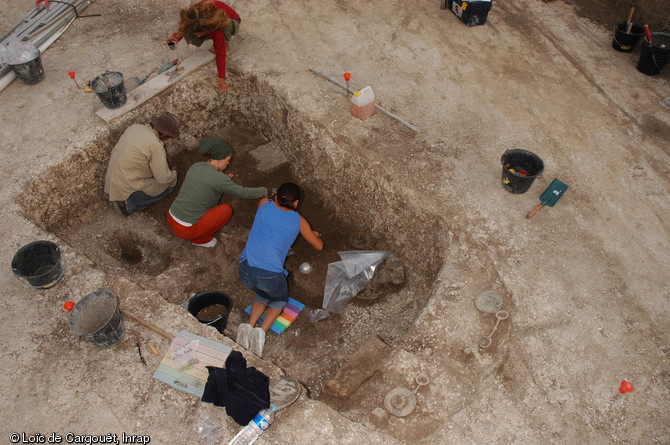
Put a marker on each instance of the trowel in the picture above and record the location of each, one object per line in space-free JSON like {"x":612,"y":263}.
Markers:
{"x":139,"y":81}
{"x":550,"y":196}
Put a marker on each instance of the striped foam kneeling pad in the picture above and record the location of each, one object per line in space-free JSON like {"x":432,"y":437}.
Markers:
{"x":290,"y":313}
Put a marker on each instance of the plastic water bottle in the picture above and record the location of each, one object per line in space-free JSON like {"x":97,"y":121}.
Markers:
{"x":255,"y":427}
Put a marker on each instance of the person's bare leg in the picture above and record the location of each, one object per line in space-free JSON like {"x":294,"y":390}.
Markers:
{"x":270,"y":317}
{"x":257,"y":310}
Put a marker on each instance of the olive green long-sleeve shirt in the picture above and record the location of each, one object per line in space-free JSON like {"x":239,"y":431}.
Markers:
{"x":202,"y":190}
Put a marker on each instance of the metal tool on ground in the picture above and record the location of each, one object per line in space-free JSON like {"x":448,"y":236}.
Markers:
{"x":167,"y":65}
{"x":176,"y":73}
{"x":550,"y":196}
{"x":377,"y":106}
{"x":139,"y":351}
{"x":486,"y":341}
{"x":139,"y":81}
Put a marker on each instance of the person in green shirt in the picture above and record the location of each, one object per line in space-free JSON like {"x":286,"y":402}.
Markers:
{"x":196,"y":214}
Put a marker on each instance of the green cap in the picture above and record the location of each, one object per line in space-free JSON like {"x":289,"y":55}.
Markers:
{"x":215,"y":148}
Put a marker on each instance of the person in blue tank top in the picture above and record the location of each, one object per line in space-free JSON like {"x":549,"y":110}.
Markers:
{"x":276,"y":226}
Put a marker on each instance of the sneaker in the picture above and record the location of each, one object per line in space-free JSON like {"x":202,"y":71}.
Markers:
{"x":212,"y":243}
{"x":257,"y":341}
{"x":243,"y":331}
{"x":120,"y":207}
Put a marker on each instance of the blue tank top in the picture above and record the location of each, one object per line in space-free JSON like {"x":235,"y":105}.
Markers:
{"x":272,"y":235}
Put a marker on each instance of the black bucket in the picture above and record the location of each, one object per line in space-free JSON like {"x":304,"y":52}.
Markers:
{"x":520,"y":168}
{"x":654,"y":56}
{"x":627,"y":41}
{"x":97,"y":319}
{"x":109,"y":88}
{"x":203,"y":300}
{"x":39,"y":264}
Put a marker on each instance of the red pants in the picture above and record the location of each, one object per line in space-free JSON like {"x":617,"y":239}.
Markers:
{"x":204,"y":230}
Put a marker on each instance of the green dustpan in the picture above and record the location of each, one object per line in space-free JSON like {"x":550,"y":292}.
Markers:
{"x":550,"y":196}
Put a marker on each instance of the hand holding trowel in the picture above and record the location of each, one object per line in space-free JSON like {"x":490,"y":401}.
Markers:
{"x":550,"y":196}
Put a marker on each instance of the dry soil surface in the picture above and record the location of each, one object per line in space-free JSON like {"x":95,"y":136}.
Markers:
{"x":585,"y":282}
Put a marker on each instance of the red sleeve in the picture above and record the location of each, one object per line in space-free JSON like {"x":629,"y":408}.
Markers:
{"x":220,"y":51}
{"x":230,"y":11}
{"x":220,"y":47}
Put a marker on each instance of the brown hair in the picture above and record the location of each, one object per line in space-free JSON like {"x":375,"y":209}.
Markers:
{"x":202,"y":17}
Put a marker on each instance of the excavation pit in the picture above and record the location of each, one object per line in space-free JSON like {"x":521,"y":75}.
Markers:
{"x":348,"y":198}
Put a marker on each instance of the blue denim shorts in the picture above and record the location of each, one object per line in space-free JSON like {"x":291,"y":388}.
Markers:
{"x":271,"y":287}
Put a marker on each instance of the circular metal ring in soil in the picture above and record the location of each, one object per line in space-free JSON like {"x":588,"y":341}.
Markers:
{"x":422,"y":380}
{"x":400,"y":401}
{"x":502,"y":315}
{"x":485,"y":342}
{"x":489,"y":302}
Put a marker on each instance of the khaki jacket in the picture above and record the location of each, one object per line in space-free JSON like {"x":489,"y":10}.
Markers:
{"x":138,"y":162}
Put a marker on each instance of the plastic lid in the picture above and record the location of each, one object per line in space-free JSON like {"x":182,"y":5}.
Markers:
{"x":68,"y":306}
{"x":357,"y":93}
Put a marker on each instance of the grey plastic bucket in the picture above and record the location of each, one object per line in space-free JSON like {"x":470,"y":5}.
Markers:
{"x":97,"y":319}
{"x":109,"y":88}
{"x":203,"y":300}
{"x":30,"y":72}
{"x":38,"y":263}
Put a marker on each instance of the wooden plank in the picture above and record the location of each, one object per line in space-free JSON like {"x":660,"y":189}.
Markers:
{"x":155,"y":85}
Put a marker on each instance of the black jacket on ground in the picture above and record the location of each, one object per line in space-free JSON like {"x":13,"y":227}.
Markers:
{"x":243,"y":391}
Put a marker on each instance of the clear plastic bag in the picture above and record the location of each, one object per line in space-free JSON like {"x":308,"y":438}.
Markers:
{"x":15,"y":52}
{"x":318,"y":315}
{"x":348,"y":277}
{"x":186,"y":356}
{"x":209,"y":432}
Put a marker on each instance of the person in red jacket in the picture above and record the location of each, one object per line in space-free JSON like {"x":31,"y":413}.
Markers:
{"x":209,"y":19}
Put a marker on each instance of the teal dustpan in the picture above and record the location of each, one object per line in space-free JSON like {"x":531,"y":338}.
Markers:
{"x":550,"y":196}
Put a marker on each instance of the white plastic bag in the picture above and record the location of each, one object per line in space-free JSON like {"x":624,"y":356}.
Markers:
{"x":15,"y":52}
{"x":348,"y":277}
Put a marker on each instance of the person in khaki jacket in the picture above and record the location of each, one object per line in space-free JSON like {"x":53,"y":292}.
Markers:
{"x":138,"y":173}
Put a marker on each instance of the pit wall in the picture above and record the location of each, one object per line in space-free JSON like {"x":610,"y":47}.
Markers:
{"x":343,"y":172}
